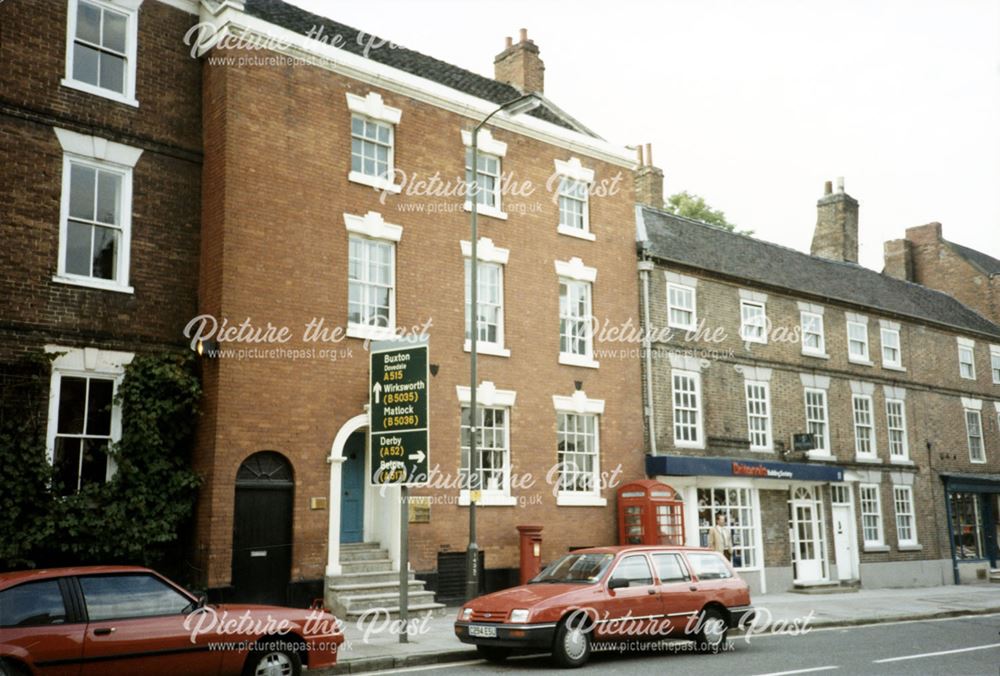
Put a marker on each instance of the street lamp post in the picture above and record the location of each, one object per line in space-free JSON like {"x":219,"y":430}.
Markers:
{"x":521,"y":104}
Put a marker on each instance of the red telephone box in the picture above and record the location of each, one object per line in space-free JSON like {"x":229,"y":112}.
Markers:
{"x":650,"y":513}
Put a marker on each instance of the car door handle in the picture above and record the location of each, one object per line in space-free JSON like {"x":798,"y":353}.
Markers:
{"x":650,"y":591}
{"x":693,"y":588}
{"x":104,"y":631}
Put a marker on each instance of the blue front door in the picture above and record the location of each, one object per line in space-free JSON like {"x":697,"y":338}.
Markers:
{"x":352,"y":490}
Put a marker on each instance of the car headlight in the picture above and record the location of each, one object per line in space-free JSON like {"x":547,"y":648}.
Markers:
{"x":519,"y":615}
{"x":467,"y":613}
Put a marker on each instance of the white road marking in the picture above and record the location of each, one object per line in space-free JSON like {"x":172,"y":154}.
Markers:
{"x":800,"y":671}
{"x":869,"y":625}
{"x":942,"y":652}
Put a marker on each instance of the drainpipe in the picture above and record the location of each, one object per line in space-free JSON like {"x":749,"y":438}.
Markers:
{"x":645,"y":267}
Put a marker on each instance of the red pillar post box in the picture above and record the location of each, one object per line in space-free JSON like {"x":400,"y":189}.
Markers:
{"x":531,"y":551}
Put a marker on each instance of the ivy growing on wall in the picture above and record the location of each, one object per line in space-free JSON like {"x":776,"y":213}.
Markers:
{"x":137,"y":516}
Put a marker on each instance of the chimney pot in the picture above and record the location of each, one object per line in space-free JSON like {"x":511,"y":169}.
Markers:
{"x":828,"y":188}
{"x":520,"y":65}
{"x":648,"y":180}
{"x":509,"y":42}
{"x":836,"y":234}
{"x":638,"y":155}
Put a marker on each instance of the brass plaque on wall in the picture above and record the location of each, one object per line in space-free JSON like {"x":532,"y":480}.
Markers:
{"x":420,"y":509}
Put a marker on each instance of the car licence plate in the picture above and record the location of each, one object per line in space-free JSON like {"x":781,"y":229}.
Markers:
{"x":482,"y":632}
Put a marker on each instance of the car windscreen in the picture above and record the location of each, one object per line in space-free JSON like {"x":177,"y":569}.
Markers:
{"x":585,"y":568}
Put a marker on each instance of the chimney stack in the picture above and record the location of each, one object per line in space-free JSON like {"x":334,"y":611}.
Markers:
{"x":836,"y":235}
{"x":898,"y":254}
{"x":519,"y":65}
{"x":648,"y":179}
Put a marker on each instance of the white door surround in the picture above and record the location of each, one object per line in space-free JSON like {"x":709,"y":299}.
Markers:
{"x":381,"y":518}
{"x":845,"y":539}
{"x":806,"y":535}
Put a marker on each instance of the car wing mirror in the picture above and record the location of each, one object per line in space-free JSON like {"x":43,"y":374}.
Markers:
{"x":617,"y":583}
{"x":201,"y":601}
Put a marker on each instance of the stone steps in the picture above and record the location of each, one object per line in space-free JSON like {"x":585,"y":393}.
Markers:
{"x":371,"y":566}
{"x":368,"y":583}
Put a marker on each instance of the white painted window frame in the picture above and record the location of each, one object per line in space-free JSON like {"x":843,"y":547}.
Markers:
{"x":489,"y":254}
{"x":130,"y":8}
{"x":826,"y":451}
{"x":966,"y":346}
{"x":898,"y":362}
{"x":903,"y":457}
{"x":766,"y":402}
{"x":373,"y":108}
{"x":876,"y":491}
{"x":97,"y":153}
{"x":372,"y":226}
{"x":574,"y":170}
{"x":487,"y":145}
{"x":873,"y":453}
{"x":693,"y":309}
{"x":744,"y":324}
{"x":909,"y":513}
{"x":812,"y":351}
{"x":979,"y":431}
{"x":864,"y":359}
{"x":88,"y":362}
{"x":699,"y":409}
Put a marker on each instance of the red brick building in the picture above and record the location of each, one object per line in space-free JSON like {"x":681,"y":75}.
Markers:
{"x":319,"y":207}
{"x":100,"y":180}
{"x":924,"y":256}
{"x":753,"y":343}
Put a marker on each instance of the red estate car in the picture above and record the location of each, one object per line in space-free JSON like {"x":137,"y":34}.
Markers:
{"x":604,"y":594}
{"x":131,"y":620}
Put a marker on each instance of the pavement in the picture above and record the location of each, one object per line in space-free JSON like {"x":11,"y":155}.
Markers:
{"x":374,"y":645}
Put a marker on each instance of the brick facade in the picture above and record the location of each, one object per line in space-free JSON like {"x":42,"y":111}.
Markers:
{"x":938,"y":264}
{"x":275,"y":249}
{"x":935,"y":420}
{"x":34,"y":309}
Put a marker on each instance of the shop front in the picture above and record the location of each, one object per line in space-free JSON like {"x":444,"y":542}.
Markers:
{"x":773,"y":513}
{"x":972,"y":502}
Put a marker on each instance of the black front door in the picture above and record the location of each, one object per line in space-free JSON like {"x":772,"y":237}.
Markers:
{"x":262,"y":529}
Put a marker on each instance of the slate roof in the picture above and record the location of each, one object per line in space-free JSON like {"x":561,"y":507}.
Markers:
{"x":984,"y":262}
{"x":699,"y":245}
{"x":300,"y":21}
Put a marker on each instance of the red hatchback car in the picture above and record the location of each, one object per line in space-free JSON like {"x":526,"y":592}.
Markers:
{"x":608,"y":594}
{"x":130,"y":620}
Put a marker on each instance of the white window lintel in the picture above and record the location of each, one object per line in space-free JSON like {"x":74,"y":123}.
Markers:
{"x":575,"y":269}
{"x":373,"y":225}
{"x":485,"y":142}
{"x":97,"y":148}
{"x":972,"y":404}
{"x":486,"y":395}
{"x":573,"y":169}
{"x":374,"y":107}
{"x":578,"y":403}
{"x":486,"y":251}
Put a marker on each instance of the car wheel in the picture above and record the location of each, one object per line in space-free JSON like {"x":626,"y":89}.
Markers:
{"x":571,"y":647}
{"x":9,"y":669}
{"x":269,"y":659}
{"x":493,"y":654}
{"x":714,"y":630}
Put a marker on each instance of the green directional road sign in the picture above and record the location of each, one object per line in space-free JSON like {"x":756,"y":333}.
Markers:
{"x":399,"y":431}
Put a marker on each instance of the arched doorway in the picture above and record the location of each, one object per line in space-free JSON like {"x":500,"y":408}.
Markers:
{"x":352,"y":492}
{"x":262,"y":528}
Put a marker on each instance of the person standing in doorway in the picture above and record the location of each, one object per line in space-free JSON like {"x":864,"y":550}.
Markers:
{"x":719,"y":538}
